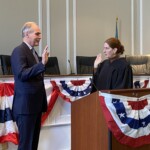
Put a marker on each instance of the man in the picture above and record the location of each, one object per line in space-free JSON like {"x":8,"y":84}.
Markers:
{"x":29,"y":95}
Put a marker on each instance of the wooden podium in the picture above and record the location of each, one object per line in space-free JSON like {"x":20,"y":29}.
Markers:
{"x":88,"y":126}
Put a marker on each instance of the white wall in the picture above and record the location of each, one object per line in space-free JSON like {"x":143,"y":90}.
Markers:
{"x":13,"y":14}
{"x":75,"y":27}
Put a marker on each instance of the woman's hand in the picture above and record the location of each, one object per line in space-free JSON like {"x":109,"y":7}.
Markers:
{"x":97,"y":60}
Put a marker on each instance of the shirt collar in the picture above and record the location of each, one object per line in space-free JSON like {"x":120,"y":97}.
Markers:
{"x":30,"y":47}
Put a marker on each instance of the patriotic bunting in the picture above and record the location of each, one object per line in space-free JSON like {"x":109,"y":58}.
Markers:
{"x":141,"y":83}
{"x":128,"y":118}
{"x":75,"y":89}
{"x":67,"y":90}
{"x":8,"y":128}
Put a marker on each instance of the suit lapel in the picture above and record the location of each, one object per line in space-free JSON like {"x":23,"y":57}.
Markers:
{"x":29,"y":53}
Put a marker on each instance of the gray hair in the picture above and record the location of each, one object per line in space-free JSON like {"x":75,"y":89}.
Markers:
{"x":27,"y":27}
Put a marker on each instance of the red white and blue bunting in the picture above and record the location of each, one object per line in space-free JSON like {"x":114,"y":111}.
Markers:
{"x":68,"y":90}
{"x":141,"y":83}
{"x":128,"y":118}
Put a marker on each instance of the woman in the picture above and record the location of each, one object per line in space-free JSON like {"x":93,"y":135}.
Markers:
{"x":114,"y":72}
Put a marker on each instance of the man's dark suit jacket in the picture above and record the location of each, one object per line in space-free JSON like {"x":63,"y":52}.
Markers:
{"x":30,"y":95}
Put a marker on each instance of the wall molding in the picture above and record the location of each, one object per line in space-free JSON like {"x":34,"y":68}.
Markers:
{"x":48,"y":23}
{"x":141,"y":27}
{"x":74,"y":35}
{"x":132,"y":28}
{"x":40,"y":23}
{"x":67,"y":37}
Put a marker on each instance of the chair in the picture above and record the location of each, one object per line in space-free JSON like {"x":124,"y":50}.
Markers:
{"x":52,"y":66}
{"x":6,"y":64}
{"x":85,"y":64}
{"x":140,"y":64}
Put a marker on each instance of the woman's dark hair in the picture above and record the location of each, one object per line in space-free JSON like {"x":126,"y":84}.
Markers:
{"x":115,"y":43}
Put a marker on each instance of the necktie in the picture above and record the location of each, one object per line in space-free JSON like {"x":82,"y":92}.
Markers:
{"x":35,"y":55}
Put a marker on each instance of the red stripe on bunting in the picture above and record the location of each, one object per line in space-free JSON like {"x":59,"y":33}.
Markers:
{"x":52,"y":101}
{"x":121,"y":137}
{"x":138,"y":105}
{"x":77,"y":82}
{"x":11,"y":137}
{"x":56,"y":92}
{"x":56,"y":88}
{"x":6,"y":89}
{"x":145,"y":83}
